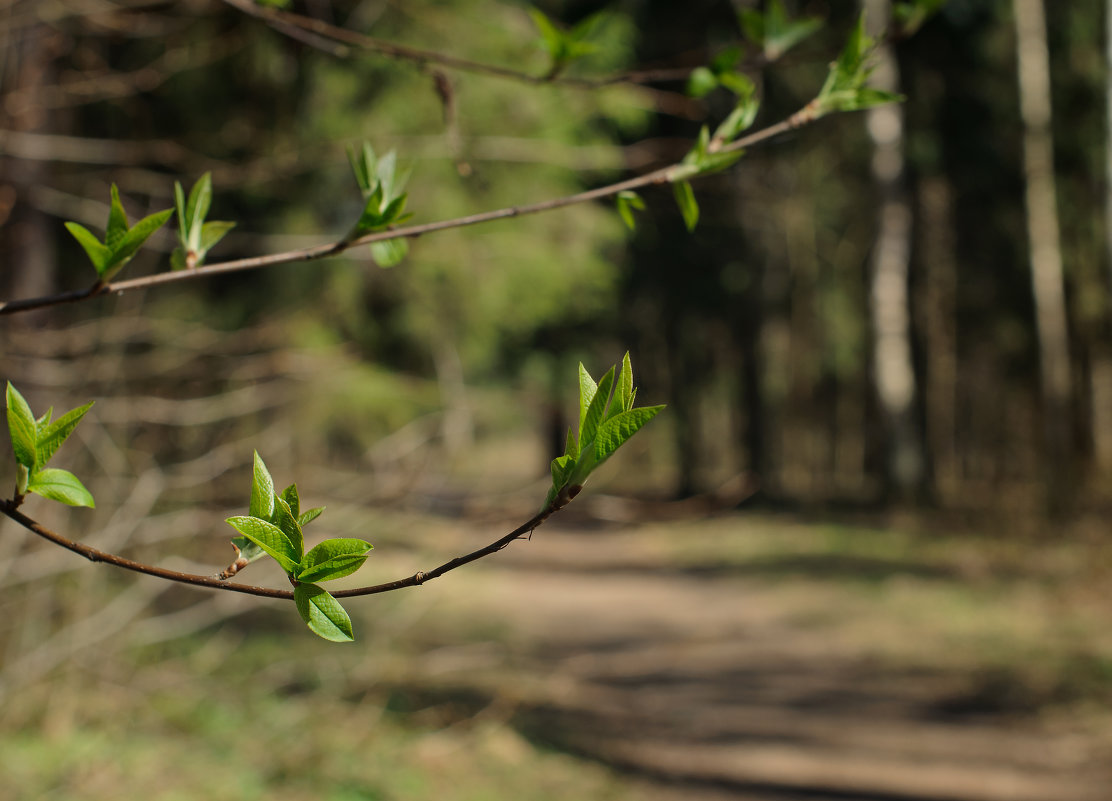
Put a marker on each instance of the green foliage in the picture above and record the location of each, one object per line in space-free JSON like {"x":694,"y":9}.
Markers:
{"x":565,"y":46}
{"x":628,"y":201}
{"x":723,"y":71}
{"x":773,"y":31}
{"x":607,"y":420}
{"x":196,"y":236}
{"x":912,"y":14}
{"x":382,"y":187}
{"x":845,"y":88}
{"x":121,"y":242}
{"x":273,"y":527}
{"x":34,"y":442}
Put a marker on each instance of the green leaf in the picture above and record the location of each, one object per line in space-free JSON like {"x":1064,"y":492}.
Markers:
{"x":561,"y":467}
{"x":48,"y":438}
{"x":587,"y":389}
{"x":740,"y":119}
{"x":781,"y":33}
{"x":117,"y":222}
{"x":98,"y":253}
{"x":289,"y":495}
{"x":385,"y":172}
{"x":701,"y":82}
{"x":628,"y":201}
{"x":248,"y":550}
{"x":211,"y":233}
{"x":623,"y":389}
{"x":334,"y":559}
{"x":361,"y":166}
{"x":60,"y":485}
{"x":571,"y":445}
{"x":323,"y":613}
{"x":596,"y":411}
{"x":389,"y":252}
{"x":283,"y":518}
{"x":179,"y":206}
{"x":752,"y":25}
{"x":309,"y":516}
{"x":262,"y":490}
{"x":685,"y":199}
{"x":552,"y":36}
{"x":200,"y":199}
{"x":21,"y":426}
{"x":394,"y":209}
{"x":43,"y":421}
{"x":140,"y":233}
{"x":270,"y":538}
{"x":618,"y":429}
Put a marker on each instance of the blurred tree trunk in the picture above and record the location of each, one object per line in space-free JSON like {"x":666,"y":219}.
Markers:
{"x":25,"y":236}
{"x":939,"y":315}
{"x":1101,"y":369}
{"x":1033,"y":67}
{"x":894,"y":369}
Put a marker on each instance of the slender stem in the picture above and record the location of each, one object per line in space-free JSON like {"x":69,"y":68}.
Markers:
{"x":660,"y":176}
{"x":334,"y":39}
{"x":11,"y":509}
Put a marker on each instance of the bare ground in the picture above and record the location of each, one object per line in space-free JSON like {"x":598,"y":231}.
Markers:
{"x":710,"y":684}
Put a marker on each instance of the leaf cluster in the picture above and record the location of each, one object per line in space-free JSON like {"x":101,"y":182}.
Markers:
{"x":34,"y":441}
{"x":121,"y":240}
{"x":566,"y":45}
{"x":273,"y":526}
{"x":196,"y":237}
{"x":383,"y":188}
{"x":845,"y":88}
{"x":607,"y":419}
{"x":773,"y":31}
{"x":723,"y":71}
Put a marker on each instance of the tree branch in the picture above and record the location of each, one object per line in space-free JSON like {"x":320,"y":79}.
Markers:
{"x":11,"y":509}
{"x":661,"y":176}
{"x":334,"y":39}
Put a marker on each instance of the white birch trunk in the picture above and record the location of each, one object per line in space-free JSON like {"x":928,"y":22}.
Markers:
{"x":889,"y":305}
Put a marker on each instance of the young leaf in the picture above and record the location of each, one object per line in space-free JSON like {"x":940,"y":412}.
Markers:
{"x":561,"y":467}
{"x":628,"y":201}
{"x":139,"y":233}
{"x":571,"y":446}
{"x":117,"y":222}
{"x":334,"y":559}
{"x":60,"y":485}
{"x":200,"y":199}
{"x":270,"y":538}
{"x":587,"y":389}
{"x":48,"y":437}
{"x":781,"y":34}
{"x":309,"y":516}
{"x":284,"y":519}
{"x":389,"y":252}
{"x":323,"y":613}
{"x":596,"y":411}
{"x":21,"y":426}
{"x":623,"y":389}
{"x":701,"y":82}
{"x":618,"y":429}
{"x":98,"y":253}
{"x":211,"y":233}
{"x":289,"y":495}
{"x":685,"y":199}
{"x":262,"y":491}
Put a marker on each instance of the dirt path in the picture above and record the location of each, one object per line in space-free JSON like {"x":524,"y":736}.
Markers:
{"x":714,"y":687}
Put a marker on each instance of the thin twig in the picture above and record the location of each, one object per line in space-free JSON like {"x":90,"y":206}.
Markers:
{"x":11,"y":509}
{"x":332,"y":38}
{"x":660,"y":176}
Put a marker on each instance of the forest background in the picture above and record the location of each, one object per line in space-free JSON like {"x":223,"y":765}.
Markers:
{"x":852,"y":331}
